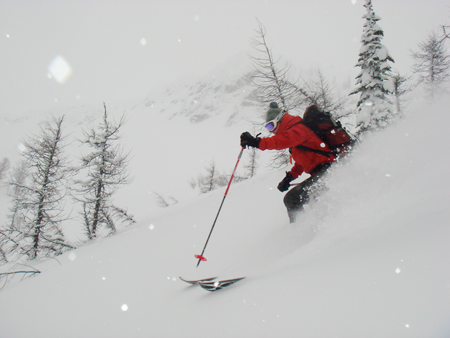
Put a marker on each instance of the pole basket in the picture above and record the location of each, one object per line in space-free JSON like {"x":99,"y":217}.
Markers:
{"x":200,"y":257}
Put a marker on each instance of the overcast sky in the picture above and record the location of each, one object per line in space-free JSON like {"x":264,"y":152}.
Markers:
{"x":114,"y":50}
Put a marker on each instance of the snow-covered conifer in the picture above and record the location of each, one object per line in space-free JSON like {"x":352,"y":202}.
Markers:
{"x":373,"y":82}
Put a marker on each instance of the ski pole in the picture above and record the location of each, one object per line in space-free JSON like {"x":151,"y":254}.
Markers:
{"x":200,"y":257}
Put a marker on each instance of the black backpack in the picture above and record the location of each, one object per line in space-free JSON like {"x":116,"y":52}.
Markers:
{"x":328,"y":130}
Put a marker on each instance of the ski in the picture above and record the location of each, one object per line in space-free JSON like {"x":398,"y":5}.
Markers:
{"x":209,"y":284}
{"x":218,"y":285}
{"x":197,"y":281}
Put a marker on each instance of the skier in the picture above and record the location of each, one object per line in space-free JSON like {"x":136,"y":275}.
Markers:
{"x":289,"y":132}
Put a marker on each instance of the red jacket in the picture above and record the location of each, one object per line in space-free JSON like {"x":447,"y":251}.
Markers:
{"x":290,"y":134}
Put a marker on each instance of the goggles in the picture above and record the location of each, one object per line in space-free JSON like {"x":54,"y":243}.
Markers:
{"x":272,"y":125}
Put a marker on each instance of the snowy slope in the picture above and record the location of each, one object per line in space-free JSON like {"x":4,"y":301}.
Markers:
{"x":369,"y":259}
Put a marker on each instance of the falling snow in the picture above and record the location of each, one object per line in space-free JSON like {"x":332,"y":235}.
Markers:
{"x":72,"y":256}
{"x":335,"y":273}
{"x":59,"y":69}
{"x":21,"y":147}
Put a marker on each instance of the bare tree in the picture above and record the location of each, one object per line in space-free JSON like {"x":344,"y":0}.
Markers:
{"x":432,"y":63}
{"x":252,"y":164}
{"x":213,"y":179}
{"x":209,"y":181}
{"x":270,"y":80}
{"x":25,"y":271}
{"x":4,"y":167}
{"x":445,"y":35}
{"x":12,"y":232}
{"x":401,"y":87}
{"x":3,"y":247}
{"x":3,"y":258}
{"x":280,"y":159}
{"x":164,"y":202}
{"x":38,"y":200}
{"x":18,"y":193}
{"x":107,"y":171}
{"x":321,"y":94}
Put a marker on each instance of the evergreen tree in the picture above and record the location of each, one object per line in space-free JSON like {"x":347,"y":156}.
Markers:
{"x":106,"y":168}
{"x":373,"y":83}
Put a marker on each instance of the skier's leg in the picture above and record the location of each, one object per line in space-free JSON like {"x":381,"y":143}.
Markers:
{"x":297,"y":197}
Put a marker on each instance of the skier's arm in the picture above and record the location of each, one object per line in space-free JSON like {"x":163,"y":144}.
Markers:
{"x":288,"y":139}
{"x":295,"y":172}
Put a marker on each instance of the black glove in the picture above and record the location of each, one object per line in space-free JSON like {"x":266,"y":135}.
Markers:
{"x":286,"y":182}
{"x":247,"y":140}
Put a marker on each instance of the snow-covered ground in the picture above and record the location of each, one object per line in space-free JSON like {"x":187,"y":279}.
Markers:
{"x":368,"y":259}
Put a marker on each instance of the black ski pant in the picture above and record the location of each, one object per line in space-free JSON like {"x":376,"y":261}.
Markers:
{"x":297,"y":197}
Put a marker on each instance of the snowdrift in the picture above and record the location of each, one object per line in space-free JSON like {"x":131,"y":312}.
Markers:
{"x":369,"y":258}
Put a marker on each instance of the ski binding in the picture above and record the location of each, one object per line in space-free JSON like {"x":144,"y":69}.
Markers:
{"x":209,"y":284}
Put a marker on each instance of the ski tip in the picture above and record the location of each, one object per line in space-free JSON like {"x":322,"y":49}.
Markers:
{"x":197,"y":281}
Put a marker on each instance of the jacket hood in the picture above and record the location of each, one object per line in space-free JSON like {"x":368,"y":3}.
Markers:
{"x":287,"y":122}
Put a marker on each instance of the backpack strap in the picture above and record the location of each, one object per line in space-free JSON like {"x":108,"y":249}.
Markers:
{"x":317,"y":151}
